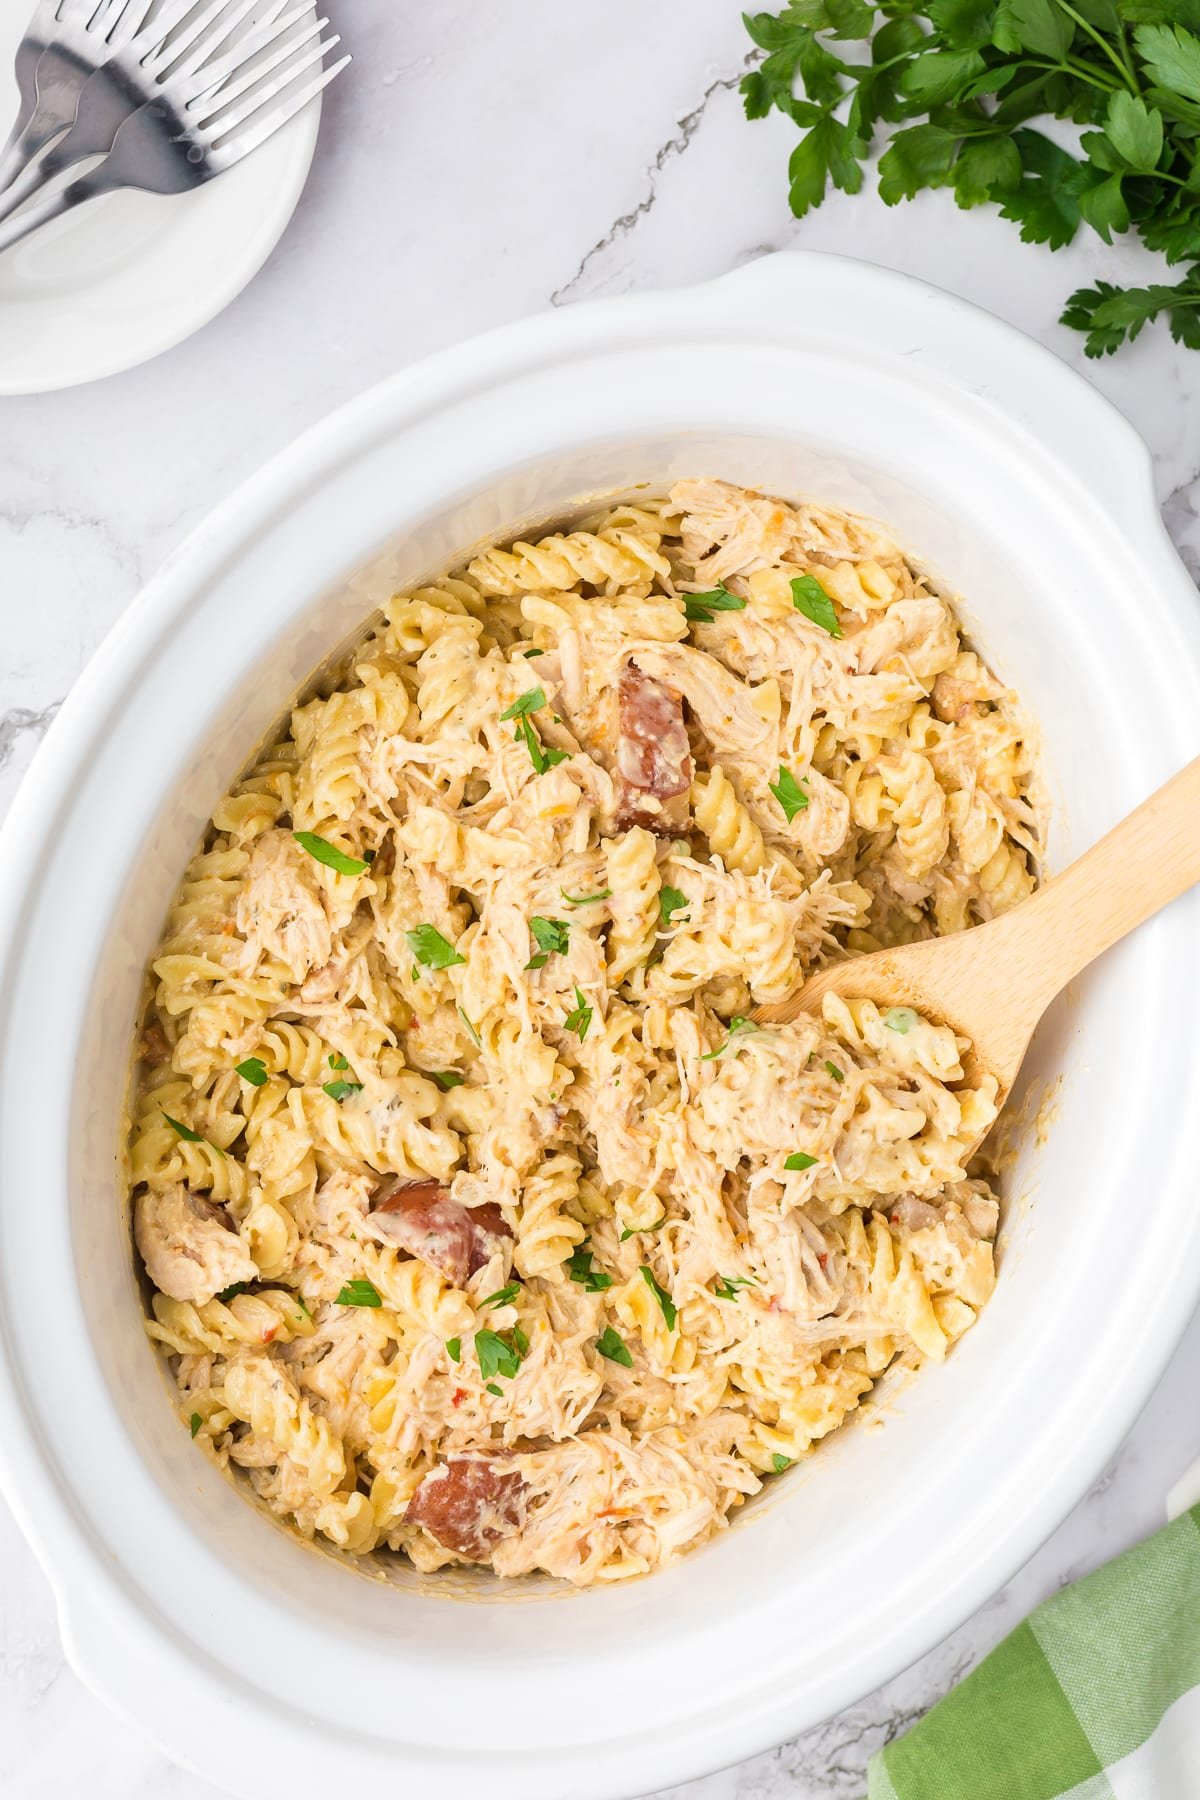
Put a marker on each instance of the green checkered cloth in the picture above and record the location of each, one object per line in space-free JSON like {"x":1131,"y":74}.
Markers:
{"x":1095,"y":1697}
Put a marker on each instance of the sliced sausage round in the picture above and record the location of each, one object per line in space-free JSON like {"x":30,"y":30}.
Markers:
{"x":420,"y":1217}
{"x":468,"y":1505}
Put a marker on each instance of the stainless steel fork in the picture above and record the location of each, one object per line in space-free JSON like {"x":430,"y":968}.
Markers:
{"x":177,"y":40}
{"x":65,"y":43}
{"x":203,"y":115}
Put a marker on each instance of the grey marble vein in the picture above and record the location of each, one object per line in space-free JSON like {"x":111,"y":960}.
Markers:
{"x":674,"y":146}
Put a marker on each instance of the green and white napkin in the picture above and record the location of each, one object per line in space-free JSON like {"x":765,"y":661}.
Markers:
{"x":1095,"y":1697}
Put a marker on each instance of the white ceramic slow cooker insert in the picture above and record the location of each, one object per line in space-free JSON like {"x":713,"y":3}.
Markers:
{"x":247,"y":1654}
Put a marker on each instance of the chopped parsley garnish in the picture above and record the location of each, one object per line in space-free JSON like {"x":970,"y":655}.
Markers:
{"x":431,"y":949}
{"x":360,"y":1292}
{"x":188,"y":1135}
{"x":493,"y":1389}
{"x":831,"y":1068}
{"x":232,"y":1291}
{"x":550,"y":935}
{"x":670,"y":901}
{"x":779,"y":1462}
{"x":329,"y":854}
{"x":726,"y":1286}
{"x":336,"y":1061}
{"x":637,"y":1230}
{"x":800,"y":1159}
{"x":580,"y":1017}
{"x":503,"y":1296}
{"x":670,"y":1311}
{"x":475,"y":1037}
{"x":532,"y":653}
{"x":789,"y":792}
{"x":584,"y":899}
{"x":341,"y":1090}
{"x":196,"y":1422}
{"x":579,"y":1268}
{"x":252,"y":1070}
{"x":454,"y":1349}
{"x":498,"y":1353}
{"x":530,"y":702}
{"x":447,"y":1078}
{"x":810,"y":598}
{"x":739,"y":1028}
{"x":699,"y":608}
{"x":302,"y":1303}
{"x":901,"y":1019}
{"x":612,"y":1346}
{"x":523,"y":727}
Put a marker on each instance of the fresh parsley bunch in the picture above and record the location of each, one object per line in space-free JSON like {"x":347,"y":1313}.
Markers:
{"x":972,"y":74}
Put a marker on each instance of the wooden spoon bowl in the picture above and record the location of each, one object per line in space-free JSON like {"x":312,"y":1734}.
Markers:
{"x":993,"y":983}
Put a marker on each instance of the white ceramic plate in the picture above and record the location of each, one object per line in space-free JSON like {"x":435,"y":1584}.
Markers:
{"x":130,"y":275}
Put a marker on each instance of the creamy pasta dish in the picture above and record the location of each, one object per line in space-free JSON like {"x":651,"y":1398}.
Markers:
{"x":483,"y":1222}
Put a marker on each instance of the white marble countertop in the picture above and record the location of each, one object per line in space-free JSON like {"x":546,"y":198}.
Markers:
{"x":477,"y":164}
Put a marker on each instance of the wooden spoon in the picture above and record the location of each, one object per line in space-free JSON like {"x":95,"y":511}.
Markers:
{"x":992,"y":984}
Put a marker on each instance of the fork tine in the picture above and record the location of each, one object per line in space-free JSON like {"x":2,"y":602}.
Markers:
{"x":219,"y":38}
{"x":187,"y":35}
{"x":213,"y":99}
{"x":220,"y":122}
{"x":130,"y":19}
{"x":289,"y":104}
{"x":202,"y":72}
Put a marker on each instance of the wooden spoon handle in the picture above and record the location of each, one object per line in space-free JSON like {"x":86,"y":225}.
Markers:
{"x":1145,"y":862}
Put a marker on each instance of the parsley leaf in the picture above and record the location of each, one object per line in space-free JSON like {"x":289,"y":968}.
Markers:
{"x":580,"y":1017}
{"x":329,"y":854}
{"x":789,"y":792}
{"x":637,"y":1230}
{"x":1112,"y":316}
{"x":738,"y":1029}
{"x":454,"y":1349}
{"x":533,"y":700}
{"x":503,"y":1296}
{"x":431,"y":949}
{"x":901,"y":1019}
{"x":336,"y":1061}
{"x":196,"y":1422}
{"x":585,"y":899}
{"x":579,"y":1268}
{"x":493,"y":1389}
{"x":497,"y":1354}
{"x":670,"y":1311}
{"x":474,"y":1035}
{"x":699,"y":608}
{"x":341,"y":1090}
{"x":252,"y":1070}
{"x":232,"y":1291}
{"x":800,"y":1159}
{"x":532,"y":653}
{"x":831,"y":1068}
{"x":447,"y":1078}
{"x":779,"y":1462}
{"x":188,"y":1135}
{"x":614,"y":1347}
{"x":670,"y":901}
{"x":810,"y":598}
{"x":550,"y":935}
{"x":360,"y":1292}
{"x":726,"y":1286}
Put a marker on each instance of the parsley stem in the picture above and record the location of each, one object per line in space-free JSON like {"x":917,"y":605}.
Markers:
{"x":1124,"y":69}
